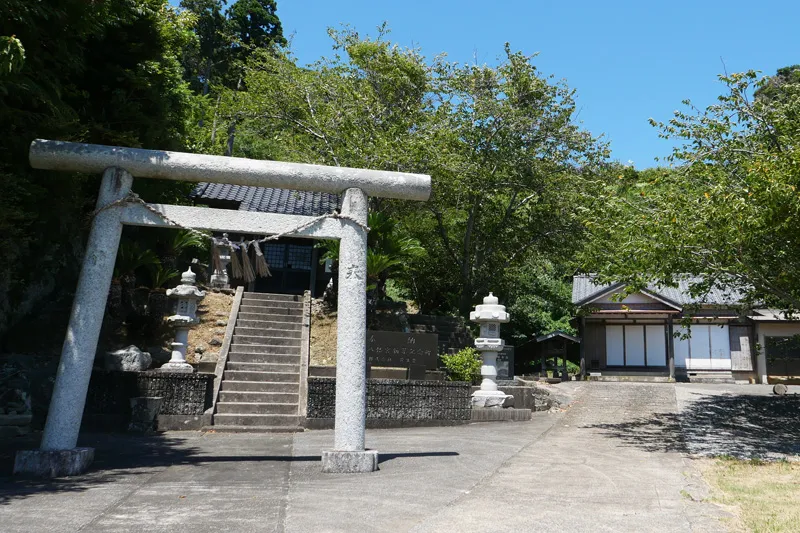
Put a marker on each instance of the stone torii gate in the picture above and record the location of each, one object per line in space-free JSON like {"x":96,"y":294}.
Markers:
{"x":58,"y":454}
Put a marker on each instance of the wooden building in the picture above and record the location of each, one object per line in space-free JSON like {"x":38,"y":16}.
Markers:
{"x":668,"y":332}
{"x":293,"y":263}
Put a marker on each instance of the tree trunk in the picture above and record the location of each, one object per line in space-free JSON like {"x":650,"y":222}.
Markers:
{"x":231,"y":139}
{"x":214,"y":124}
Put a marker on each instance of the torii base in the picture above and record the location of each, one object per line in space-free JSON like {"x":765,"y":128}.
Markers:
{"x":53,"y":463}
{"x":342,"y":462}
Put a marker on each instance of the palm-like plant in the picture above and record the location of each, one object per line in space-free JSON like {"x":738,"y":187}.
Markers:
{"x":178,"y":244}
{"x":130,"y":258}
{"x":387,"y":250}
{"x":160,"y":276}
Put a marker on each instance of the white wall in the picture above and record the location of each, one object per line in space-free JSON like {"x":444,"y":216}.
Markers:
{"x":710,"y":348}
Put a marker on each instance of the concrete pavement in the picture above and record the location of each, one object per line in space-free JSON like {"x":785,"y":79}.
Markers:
{"x":572,"y":471}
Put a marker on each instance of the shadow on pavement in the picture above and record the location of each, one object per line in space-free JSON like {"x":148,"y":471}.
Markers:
{"x":120,"y":457}
{"x":116,"y":456}
{"x":384,"y":457}
{"x":736,"y":425}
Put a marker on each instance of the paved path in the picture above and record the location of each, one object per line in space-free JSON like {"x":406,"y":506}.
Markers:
{"x":576,"y":471}
{"x":589,"y":474}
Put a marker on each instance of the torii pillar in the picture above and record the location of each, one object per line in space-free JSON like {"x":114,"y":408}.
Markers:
{"x":58,"y":454}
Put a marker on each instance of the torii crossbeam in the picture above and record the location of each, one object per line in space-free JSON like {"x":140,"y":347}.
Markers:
{"x":58,"y":454}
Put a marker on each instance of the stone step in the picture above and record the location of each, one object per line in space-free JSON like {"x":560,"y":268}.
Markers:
{"x":254,"y":429}
{"x":483,"y":414}
{"x":259,"y":397}
{"x":267,"y":333}
{"x":265,"y":367}
{"x":246,"y":357}
{"x":270,"y":310}
{"x":269,"y":317}
{"x":265,"y":348}
{"x":256,"y":408}
{"x":265,"y":325}
{"x":270,"y":341}
{"x":269,"y":377}
{"x":631,"y":378}
{"x":272,"y":303}
{"x":699,"y":376}
{"x":257,"y":420}
{"x":232,"y":385}
{"x":273,"y":297}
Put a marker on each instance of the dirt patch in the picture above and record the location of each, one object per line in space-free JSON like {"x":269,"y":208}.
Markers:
{"x":763,"y":496}
{"x":323,"y":338}
{"x":213,"y":313}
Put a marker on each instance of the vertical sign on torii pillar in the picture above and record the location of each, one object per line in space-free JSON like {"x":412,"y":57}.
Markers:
{"x":58,"y":454}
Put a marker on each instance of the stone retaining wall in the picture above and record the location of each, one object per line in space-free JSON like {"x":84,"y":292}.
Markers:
{"x":396,"y":402}
{"x":108,"y":399}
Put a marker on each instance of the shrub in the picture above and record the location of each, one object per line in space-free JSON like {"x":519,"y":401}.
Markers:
{"x":464,"y":365}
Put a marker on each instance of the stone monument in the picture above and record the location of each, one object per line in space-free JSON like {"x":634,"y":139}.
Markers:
{"x":219,"y":278}
{"x":490,"y":315}
{"x":185,"y":316}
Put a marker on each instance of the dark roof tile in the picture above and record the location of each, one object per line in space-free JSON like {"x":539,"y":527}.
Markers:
{"x":269,"y":200}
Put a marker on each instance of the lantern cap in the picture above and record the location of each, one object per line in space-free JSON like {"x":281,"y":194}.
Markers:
{"x":490,"y":311}
{"x":188,"y":277}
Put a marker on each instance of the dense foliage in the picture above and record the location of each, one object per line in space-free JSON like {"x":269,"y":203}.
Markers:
{"x":523,"y":196}
{"x":506,"y":158}
{"x":104,"y":72}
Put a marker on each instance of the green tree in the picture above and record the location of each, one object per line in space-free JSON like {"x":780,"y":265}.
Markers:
{"x":726,"y":210}
{"x":506,"y":158}
{"x":539,"y":299}
{"x":226,"y":38}
{"x":773,"y":88}
{"x":104,"y":72}
{"x":507,"y":161}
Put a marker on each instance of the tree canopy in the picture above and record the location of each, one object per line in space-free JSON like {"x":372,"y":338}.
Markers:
{"x":505,"y":155}
{"x":726,"y":209}
{"x":523,"y":196}
{"x":102,"y":72}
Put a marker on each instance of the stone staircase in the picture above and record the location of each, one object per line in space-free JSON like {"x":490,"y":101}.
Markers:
{"x":261,"y":384}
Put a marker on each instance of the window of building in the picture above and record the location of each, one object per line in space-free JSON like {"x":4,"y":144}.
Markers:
{"x":275,"y":254}
{"x":299,"y":257}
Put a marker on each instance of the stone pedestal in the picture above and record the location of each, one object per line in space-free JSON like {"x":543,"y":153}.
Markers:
{"x":53,"y":463}
{"x":144,"y":413}
{"x":177,"y":362}
{"x":487,"y":399}
{"x":349,"y":462}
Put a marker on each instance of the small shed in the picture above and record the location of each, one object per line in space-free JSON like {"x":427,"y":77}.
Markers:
{"x":555,"y":344}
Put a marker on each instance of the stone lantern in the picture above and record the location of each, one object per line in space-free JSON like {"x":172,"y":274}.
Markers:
{"x":187,"y":295}
{"x":490,"y":315}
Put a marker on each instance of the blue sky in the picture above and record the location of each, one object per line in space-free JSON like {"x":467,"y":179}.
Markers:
{"x":628,"y":60}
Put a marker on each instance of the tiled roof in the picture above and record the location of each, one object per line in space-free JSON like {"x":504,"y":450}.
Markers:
{"x":584,"y":288}
{"x":268,"y":200}
{"x":558,"y":333}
